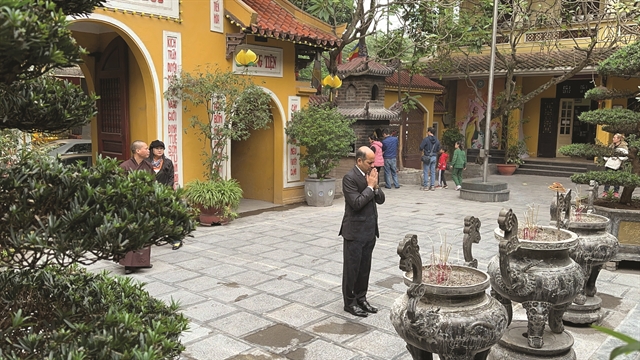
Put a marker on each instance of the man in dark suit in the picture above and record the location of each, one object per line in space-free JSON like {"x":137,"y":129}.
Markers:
{"x":359,"y":230}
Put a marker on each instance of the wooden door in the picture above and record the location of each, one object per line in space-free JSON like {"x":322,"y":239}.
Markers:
{"x":113,"y":107}
{"x":413,"y":135}
{"x":548,"y":132}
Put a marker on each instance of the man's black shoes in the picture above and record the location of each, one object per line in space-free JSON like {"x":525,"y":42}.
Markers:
{"x":364,"y":305}
{"x":355,"y":310}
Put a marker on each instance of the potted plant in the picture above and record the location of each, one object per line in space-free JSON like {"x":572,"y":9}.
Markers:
{"x":217,"y":201}
{"x":326,"y":136}
{"x":512,"y":158}
{"x":235,"y":107}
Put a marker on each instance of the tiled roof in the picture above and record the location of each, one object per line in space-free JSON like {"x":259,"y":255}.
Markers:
{"x":367,"y":113}
{"x":363,"y":66}
{"x":418,"y":82}
{"x":438,"y":107}
{"x":318,"y":99}
{"x":274,"y":20}
{"x":556,"y":61}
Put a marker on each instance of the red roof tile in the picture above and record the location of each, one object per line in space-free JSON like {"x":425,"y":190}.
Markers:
{"x":418,"y":82}
{"x":276,"y":21}
{"x":362,"y":65}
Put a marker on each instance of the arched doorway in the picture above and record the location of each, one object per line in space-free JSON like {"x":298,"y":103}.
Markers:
{"x":112,"y":86}
{"x":252,"y":164}
{"x":119,"y":68}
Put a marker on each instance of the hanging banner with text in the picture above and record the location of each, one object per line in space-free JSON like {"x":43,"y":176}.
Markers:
{"x":269,"y":61}
{"x":293,"y":152}
{"x":217,"y":121}
{"x":169,"y":8}
{"x":217,"y":15}
{"x":172,"y":62}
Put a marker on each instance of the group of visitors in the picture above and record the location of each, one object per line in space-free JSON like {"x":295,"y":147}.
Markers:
{"x":152,"y":160}
{"x":435,"y":160}
{"x":385,"y":153}
{"x":435,"y":163}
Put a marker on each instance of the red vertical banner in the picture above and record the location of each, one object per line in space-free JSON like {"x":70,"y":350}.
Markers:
{"x":173,"y":108}
{"x":293,"y":151}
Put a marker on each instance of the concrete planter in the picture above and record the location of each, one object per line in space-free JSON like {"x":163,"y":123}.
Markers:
{"x":319,"y":192}
{"x":455,"y":322}
{"x":624,"y":225}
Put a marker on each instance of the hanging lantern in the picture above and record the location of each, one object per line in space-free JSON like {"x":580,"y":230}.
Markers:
{"x":246,"y":58}
{"x":332,"y":82}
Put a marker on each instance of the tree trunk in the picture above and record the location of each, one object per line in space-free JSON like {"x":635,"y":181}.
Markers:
{"x":627,"y":192}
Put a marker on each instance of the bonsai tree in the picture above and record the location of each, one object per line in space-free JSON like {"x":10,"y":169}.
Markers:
{"x":234,"y":104}
{"x":326,"y":136}
{"x":55,"y":216}
{"x":624,"y":62}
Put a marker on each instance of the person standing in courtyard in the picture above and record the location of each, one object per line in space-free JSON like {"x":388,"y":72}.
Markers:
{"x":458,"y":163}
{"x":359,"y":230}
{"x":430,"y":146}
{"x":442,"y":167}
{"x":163,"y":168}
{"x":390,"y":154}
{"x":376,"y":146}
{"x":138,"y":162}
{"x":614,"y":163}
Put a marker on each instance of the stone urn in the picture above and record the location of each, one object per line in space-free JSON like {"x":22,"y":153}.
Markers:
{"x":540,"y":274}
{"x":595,"y":247}
{"x":455,"y":322}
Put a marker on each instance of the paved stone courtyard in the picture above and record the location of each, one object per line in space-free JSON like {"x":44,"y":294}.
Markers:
{"x":268,"y":285}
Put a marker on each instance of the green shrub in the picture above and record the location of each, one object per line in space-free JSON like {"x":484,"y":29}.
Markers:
{"x":55,"y":213}
{"x":326,"y":136}
{"x":69,"y":313}
{"x":219,"y":194}
{"x":450,"y":136}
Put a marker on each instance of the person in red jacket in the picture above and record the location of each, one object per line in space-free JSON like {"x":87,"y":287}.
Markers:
{"x":442,"y":166}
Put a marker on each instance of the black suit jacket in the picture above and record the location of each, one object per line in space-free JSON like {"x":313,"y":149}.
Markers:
{"x":360,"y":221}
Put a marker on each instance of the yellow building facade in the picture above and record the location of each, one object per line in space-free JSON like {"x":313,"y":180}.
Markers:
{"x":134,"y":46}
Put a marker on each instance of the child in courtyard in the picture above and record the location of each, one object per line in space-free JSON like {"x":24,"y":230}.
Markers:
{"x":442,"y":166}
{"x":458,"y":163}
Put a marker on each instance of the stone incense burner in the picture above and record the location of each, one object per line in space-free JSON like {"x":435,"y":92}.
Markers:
{"x":455,"y":322}
{"x":595,"y":247}
{"x":542,"y":276}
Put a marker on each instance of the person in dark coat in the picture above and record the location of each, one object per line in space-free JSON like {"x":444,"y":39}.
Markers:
{"x":137,"y":258}
{"x":359,"y":230}
{"x":163,"y":168}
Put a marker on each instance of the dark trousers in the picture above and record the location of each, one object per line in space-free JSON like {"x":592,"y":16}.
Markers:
{"x":616,"y":188}
{"x":355,"y":270}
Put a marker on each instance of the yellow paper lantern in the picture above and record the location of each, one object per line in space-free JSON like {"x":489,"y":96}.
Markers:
{"x":246,"y":58}
{"x":332,"y":82}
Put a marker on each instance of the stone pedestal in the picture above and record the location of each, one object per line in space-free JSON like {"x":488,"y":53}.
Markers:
{"x":514,"y":345}
{"x":587,"y":313}
{"x":490,"y":191}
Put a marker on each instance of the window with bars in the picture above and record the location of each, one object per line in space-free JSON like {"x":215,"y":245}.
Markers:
{"x":580,"y":10}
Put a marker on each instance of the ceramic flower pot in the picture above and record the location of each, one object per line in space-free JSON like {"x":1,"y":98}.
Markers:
{"x":455,"y":322}
{"x":539,"y":274}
